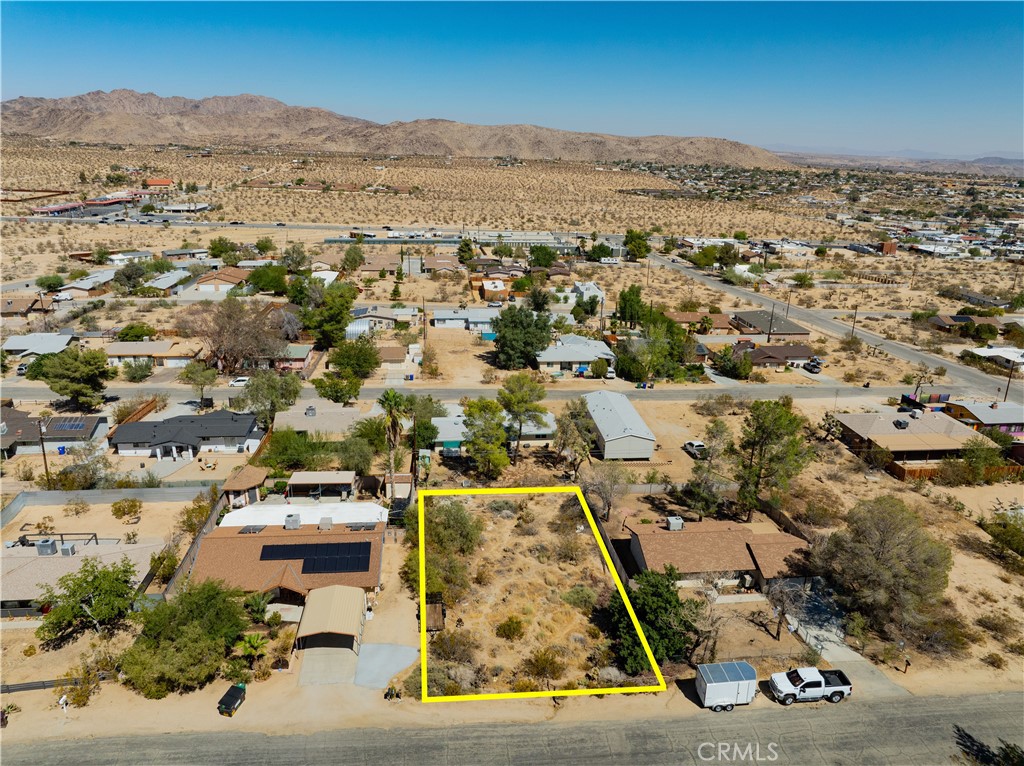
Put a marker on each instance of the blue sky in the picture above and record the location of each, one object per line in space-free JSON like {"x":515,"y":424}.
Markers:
{"x":939,"y":77}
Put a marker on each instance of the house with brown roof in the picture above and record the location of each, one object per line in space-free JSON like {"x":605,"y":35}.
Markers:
{"x":242,"y":486}
{"x":392,"y":355}
{"x":726,"y":550}
{"x":221,"y":280}
{"x":703,"y":322}
{"x":779,"y":357}
{"x":290,"y":562}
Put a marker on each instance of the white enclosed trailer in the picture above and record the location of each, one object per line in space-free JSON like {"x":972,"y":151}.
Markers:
{"x":723,"y":685}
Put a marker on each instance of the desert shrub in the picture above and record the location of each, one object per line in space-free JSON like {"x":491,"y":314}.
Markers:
{"x":946,"y":634}
{"x":127,"y":510}
{"x":484,"y":575}
{"x":454,"y":646}
{"x":819,"y":515}
{"x":261,"y":669}
{"x":76,"y":506}
{"x":569,"y":549}
{"x":163,"y":564}
{"x":137,"y":371}
{"x":502,"y":507}
{"x":30,"y":650}
{"x":544,"y":664}
{"x":999,"y":624}
{"x":236,"y":670}
{"x":1017,"y":647}
{"x":45,"y":526}
{"x":511,"y":629}
{"x":525,"y":685}
{"x":1007,"y":530}
{"x":994,"y":660}
{"x":274,"y":620}
{"x":80,"y":683}
{"x":809,"y":657}
{"x":581,"y":597}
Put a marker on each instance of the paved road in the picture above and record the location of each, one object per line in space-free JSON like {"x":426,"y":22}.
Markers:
{"x":981,"y":382}
{"x":919,"y":730}
{"x":177,"y":392}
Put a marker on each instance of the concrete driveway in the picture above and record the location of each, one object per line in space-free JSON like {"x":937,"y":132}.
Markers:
{"x":324,"y":665}
{"x":379,"y":663}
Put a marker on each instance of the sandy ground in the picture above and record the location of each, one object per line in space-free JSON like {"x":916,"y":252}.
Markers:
{"x":537,"y":600}
{"x":157,"y":521}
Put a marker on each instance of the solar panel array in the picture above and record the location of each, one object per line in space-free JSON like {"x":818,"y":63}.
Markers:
{"x":66,"y":424}
{"x":322,"y":558}
{"x":252,"y":529}
{"x":366,"y":527}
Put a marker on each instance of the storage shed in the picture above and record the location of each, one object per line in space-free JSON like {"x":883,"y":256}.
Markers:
{"x":621,"y":433}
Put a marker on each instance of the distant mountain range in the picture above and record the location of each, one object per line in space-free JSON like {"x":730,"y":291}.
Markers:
{"x":989,"y":157}
{"x":129,"y":117}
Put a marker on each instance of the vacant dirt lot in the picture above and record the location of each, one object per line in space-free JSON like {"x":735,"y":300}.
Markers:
{"x":538,"y":558}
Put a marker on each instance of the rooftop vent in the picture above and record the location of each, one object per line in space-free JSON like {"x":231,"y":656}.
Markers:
{"x":326,"y":523}
{"x":292,"y":521}
{"x":903,"y":425}
{"x":67,"y":549}
{"x":675,"y":523}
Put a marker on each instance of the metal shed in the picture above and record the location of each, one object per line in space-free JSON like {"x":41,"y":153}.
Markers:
{"x":621,"y":433}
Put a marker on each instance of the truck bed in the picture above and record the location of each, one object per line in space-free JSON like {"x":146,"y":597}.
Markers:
{"x":835,"y":678}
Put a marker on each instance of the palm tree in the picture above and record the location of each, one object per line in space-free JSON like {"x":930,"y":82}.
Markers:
{"x":252,"y":646}
{"x":395,"y":407}
{"x":256,"y":605}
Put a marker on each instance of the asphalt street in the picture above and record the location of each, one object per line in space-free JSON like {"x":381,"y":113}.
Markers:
{"x":919,"y":730}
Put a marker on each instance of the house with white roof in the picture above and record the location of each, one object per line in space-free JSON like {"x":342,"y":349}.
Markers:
{"x":574,"y":352}
{"x":621,"y":433}
{"x":27,"y":347}
{"x":586,"y":290}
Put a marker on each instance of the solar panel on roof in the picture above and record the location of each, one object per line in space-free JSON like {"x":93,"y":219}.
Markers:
{"x":322,"y":558}
{"x":252,"y":529}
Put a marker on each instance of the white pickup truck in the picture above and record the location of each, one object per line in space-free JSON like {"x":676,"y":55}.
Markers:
{"x":809,"y":684}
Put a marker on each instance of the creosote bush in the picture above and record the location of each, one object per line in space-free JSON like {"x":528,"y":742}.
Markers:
{"x":511,"y":629}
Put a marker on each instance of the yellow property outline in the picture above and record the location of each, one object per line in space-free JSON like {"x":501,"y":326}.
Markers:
{"x":425,"y":696}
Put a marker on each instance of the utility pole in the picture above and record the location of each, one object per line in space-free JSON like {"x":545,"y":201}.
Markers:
{"x":771,"y":323}
{"x":648,"y":270}
{"x":1009,"y":380}
{"x":789,"y":298}
{"x":42,"y":446}
{"x":854,"y":328}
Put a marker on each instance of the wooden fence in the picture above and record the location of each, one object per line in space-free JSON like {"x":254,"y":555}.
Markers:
{"x":905,"y":472}
{"x":143,"y":409}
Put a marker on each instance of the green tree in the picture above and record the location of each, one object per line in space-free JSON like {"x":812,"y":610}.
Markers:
{"x":486,"y":437}
{"x":339,"y":385}
{"x":199,"y":376}
{"x":520,"y":397}
{"x":355,"y":454}
{"x":636,"y":244}
{"x":1006,"y":528}
{"x":50,"y":283}
{"x":884,"y":564}
{"x":295,"y":258}
{"x":269,"y":279}
{"x":709,"y":471}
{"x":192,"y":517}
{"x":803,"y":279}
{"x":267,"y":393}
{"x":630,"y":306}
{"x":95,"y":597}
{"x":221,"y":247}
{"x":329,"y":320}
{"x":137,"y":331}
{"x":79,"y":375}
{"x":353,"y":259}
{"x":979,"y":455}
{"x":375,"y":431}
{"x":597,"y":252}
{"x":265,"y":245}
{"x":519,"y":337}
{"x":466,"y":250}
{"x":670,"y":624}
{"x":422,"y":409}
{"x":599,"y":368}
{"x":538,"y":299}
{"x":609,"y":480}
{"x":770,"y":452}
{"x":574,"y":435}
{"x":542,"y":256}
{"x":732,"y":365}
{"x":360,"y":356}
{"x":395,"y":407}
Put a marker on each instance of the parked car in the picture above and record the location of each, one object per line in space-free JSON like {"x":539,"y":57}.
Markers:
{"x":232,"y":700}
{"x":22,"y":369}
{"x":610,"y":375}
{"x":809,"y":684}
{"x":723,"y":685}
{"x":280,"y":223}
{"x":812,"y":367}
{"x":237,"y":223}
{"x":238,"y":382}
{"x":511,"y":299}
{"x":695,"y":449}
{"x":494,"y":305}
